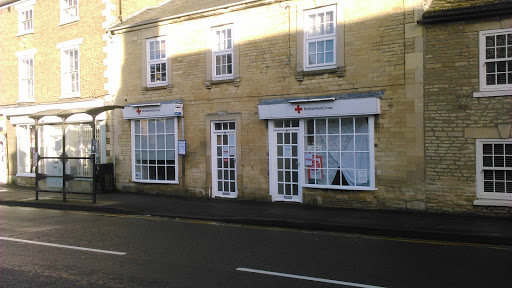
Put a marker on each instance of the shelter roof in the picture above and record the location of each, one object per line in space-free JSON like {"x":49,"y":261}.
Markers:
{"x":65,"y":113}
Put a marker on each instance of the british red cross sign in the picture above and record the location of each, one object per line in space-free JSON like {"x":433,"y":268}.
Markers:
{"x":298,"y":109}
{"x":138,"y":111}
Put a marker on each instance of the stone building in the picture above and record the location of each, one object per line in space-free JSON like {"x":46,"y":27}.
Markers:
{"x":53,"y":56}
{"x":468,"y":106}
{"x":317,"y":102}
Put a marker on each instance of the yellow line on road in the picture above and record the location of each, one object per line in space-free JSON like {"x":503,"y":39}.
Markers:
{"x":388,"y":238}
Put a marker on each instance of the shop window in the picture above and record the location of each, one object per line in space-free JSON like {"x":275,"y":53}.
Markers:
{"x":338,"y":153}
{"x":26,"y":135}
{"x":154,"y":154}
{"x":494,"y":169}
{"x":78,"y":144}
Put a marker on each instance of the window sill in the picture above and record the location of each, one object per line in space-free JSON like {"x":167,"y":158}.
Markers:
{"x":350,"y":188}
{"x":157,"y":87}
{"x":26,"y":101}
{"x":68,"y":21}
{"x":155,"y":182}
{"x":339,"y":71}
{"x":67,"y":96}
{"x":235,"y":81}
{"x":25,"y":33}
{"x":492,"y":202}
{"x":493,"y":93}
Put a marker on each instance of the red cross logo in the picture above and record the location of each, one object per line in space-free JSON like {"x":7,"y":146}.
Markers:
{"x":138,"y":111}
{"x":298,"y":109}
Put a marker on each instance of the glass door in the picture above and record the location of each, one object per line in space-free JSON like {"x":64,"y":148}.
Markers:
{"x":284,"y":161}
{"x":224,"y":160}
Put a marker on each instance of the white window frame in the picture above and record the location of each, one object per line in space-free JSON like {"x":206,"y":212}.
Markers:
{"x":22,"y":140}
{"x":318,"y":38}
{"x":483,"y":64}
{"x":24,"y":56}
{"x":481,"y":195}
{"x":176,"y":166}
{"x":217,"y":50}
{"x":371,"y":176}
{"x":24,"y":8}
{"x":66,"y":74}
{"x":157,"y":61}
{"x":65,"y":6}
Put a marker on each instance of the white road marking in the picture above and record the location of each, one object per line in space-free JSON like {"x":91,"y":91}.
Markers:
{"x":307,"y":278}
{"x":62,"y":246}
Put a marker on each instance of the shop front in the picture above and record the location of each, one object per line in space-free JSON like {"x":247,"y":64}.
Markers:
{"x":321,"y":142}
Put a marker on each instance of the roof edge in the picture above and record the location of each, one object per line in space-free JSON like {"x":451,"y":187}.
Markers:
{"x":196,"y":12}
{"x":467,"y":13}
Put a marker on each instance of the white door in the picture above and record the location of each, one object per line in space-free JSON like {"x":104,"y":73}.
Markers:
{"x":224,"y":160}
{"x":285,"y":143}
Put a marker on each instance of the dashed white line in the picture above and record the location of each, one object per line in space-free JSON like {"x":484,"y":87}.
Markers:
{"x":62,"y":246}
{"x":307,"y":278}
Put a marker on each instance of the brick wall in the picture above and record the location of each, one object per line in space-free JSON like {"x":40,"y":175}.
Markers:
{"x":451,"y":112}
{"x":383,"y":51}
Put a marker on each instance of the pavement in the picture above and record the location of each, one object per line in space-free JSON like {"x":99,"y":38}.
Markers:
{"x":404,"y":224}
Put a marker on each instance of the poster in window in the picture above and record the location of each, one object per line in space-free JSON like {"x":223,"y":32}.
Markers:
{"x":315,"y":169}
{"x":362,"y":176}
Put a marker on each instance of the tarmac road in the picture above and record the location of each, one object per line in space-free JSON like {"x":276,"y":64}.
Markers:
{"x":94,"y":250}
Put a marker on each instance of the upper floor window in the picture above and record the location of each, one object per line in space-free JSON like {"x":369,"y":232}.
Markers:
{"x":70,"y":68}
{"x":496,"y":60}
{"x":26,"y":75}
{"x":25,"y":17}
{"x":222,"y":56}
{"x":68,"y":11}
{"x":26,"y":78}
{"x":157,"y":62}
{"x":320,"y":38}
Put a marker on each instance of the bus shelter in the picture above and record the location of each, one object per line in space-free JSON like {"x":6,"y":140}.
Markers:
{"x":66,"y":151}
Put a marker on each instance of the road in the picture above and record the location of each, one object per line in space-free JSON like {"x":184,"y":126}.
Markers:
{"x":131,"y":251}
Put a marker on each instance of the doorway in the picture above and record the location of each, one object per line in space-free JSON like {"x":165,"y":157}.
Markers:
{"x":285,"y":143}
{"x":224,"y":176}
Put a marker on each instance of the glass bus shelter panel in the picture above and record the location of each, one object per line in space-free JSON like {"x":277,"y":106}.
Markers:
{"x":82,"y":186}
{"x":51,"y":184}
{"x":79,"y":168}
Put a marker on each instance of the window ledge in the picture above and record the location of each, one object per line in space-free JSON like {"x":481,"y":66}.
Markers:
{"x":349,"y":188}
{"x":154,"y":88}
{"x":68,"y":21}
{"x":492,"y":202}
{"x":26,"y":101}
{"x":155,"y":182}
{"x":235,"y":81}
{"x":339,"y":71}
{"x":25,"y":33}
{"x":67,"y":96}
{"x":493,"y":93}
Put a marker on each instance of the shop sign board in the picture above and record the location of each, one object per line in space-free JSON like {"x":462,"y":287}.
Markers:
{"x":344,"y":107}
